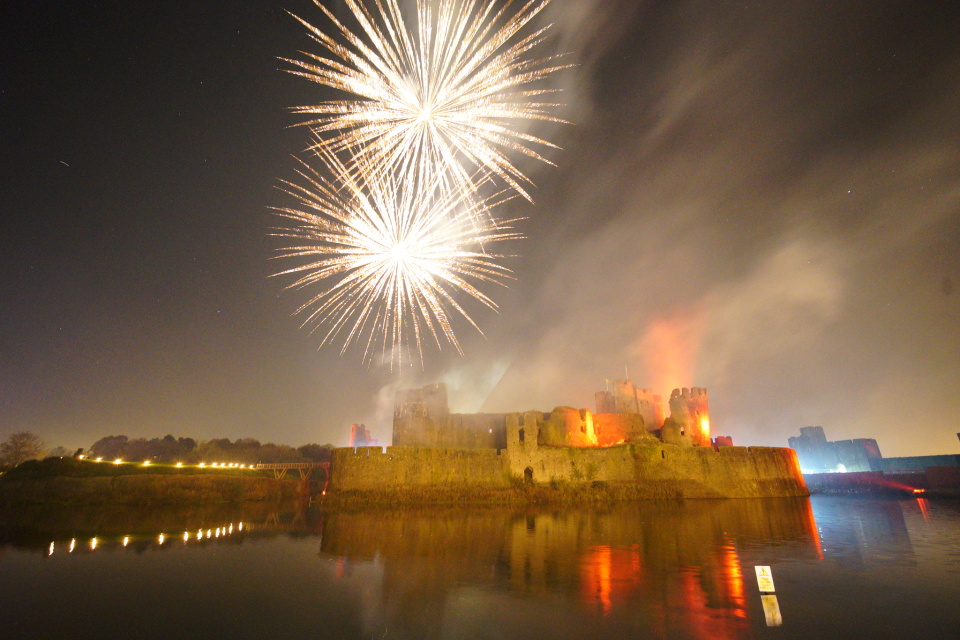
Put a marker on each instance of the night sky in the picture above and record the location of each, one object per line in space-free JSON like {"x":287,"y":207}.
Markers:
{"x":759,"y":198}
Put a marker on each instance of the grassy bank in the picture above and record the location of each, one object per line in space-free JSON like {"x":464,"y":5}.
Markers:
{"x":71,"y":482}
{"x":145,"y":490}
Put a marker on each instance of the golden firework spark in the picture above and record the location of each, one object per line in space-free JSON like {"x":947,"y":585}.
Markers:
{"x":443,"y":93}
{"x":386,"y":260}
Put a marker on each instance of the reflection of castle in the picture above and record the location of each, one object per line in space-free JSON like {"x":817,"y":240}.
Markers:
{"x":668,"y":569}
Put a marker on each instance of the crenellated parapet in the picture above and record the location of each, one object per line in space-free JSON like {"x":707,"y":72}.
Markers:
{"x":637,"y":470}
{"x":625,"y":415}
{"x":446,"y":451}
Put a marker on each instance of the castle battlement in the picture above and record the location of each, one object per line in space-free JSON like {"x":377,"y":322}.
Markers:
{"x":626,"y":442}
{"x":624,"y":414}
{"x":689,"y":394}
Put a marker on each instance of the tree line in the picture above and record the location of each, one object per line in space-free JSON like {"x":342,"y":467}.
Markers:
{"x":187,"y":450}
{"x":22,"y":446}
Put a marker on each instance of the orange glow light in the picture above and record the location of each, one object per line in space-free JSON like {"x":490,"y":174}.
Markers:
{"x":669,"y":349}
{"x":922,"y":503}
{"x":732,"y":575}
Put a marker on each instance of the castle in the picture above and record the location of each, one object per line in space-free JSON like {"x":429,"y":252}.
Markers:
{"x":626,"y":414}
{"x":627,"y":442}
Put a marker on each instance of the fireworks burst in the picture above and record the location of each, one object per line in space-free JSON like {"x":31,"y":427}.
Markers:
{"x":386,"y":260}
{"x":438,"y":98}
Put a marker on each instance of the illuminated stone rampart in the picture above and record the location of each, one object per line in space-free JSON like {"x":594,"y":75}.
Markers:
{"x":438,"y":450}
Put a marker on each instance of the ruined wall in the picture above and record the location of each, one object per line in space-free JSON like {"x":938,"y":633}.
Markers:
{"x":604,"y":402}
{"x":817,"y":454}
{"x":475,"y":431}
{"x":372,"y":468}
{"x":654,"y":471}
{"x":625,"y":398}
{"x":420,"y":416}
{"x":567,"y":464}
{"x":567,"y":427}
{"x":665,"y":470}
{"x":852,"y":455}
{"x":728,"y":472}
{"x":620,"y":428}
{"x":530,"y":458}
{"x":673,"y":433}
{"x":360,"y":436}
{"x":650,"y":405}
{"x":434,"y":448}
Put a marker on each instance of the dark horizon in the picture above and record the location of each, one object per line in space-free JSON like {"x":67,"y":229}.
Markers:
{"x":762,"y":200}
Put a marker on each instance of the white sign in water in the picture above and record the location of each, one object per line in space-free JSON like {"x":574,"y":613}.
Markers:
{"x":764,"y":579}
{"x":771,"y":610}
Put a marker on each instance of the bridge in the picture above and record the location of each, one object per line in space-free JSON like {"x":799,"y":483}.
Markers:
{"x":305,"y":469}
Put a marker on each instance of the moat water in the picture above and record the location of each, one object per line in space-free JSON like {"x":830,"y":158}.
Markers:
{"x":841,"y":568}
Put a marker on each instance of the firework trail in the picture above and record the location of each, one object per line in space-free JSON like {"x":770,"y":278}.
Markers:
{"x":436,"y":96}
{"x":385,"y":260}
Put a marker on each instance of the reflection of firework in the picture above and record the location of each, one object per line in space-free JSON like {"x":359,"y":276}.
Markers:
{"x":445,"y":92}
{"x":388,"y":259}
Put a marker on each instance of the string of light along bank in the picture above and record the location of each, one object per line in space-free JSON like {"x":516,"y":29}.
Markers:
{"x":178,"y":465}
{"x":188,"y":536}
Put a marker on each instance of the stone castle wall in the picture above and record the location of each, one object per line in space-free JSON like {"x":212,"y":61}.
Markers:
{"x":619,"y":428}
{"x":655,"y":470}
{"x":422,"y":419}
{"x":436,"y":449}
{"x":625,"y":398}
{"x":421,"y":416}
{"x":732,"y":472}
{"x":373,"y":468}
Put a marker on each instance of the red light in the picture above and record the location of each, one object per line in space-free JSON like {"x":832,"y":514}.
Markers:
{"x":918,"y":490}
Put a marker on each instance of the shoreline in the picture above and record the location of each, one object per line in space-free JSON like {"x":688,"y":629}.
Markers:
{"x":144,"y":490}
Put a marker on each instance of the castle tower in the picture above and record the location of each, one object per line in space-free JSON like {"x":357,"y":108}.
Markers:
{"x":420,"y":416}
{"x":650,"y":405}
{"x":605,"y":403}
{"x":626,"y":398}
{"x":360,"y":436}
{"x":690,"y":411}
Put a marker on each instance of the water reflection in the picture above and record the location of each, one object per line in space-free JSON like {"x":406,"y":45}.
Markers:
{"x":48,"y":530}
{"x":668,"y":569}
{"x":861,"y":531}
{"x":843,"y":568}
